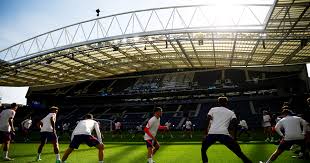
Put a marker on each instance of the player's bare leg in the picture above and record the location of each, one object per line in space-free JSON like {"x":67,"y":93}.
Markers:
{"x":100,"y":148}
{"x":67,"y":153}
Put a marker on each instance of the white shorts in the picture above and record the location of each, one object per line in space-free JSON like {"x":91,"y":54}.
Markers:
{"x":268,"y":124}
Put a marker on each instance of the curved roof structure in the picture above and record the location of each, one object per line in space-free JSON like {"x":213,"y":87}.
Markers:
{"x":274,"y":33}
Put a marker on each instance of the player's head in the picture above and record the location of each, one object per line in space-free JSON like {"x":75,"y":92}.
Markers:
{"x":265,"y":112}
{"x":54,"y":109}
{"x":286,"y":111}
{"x":14,"y":106}
{"x":286,"y":104}
{"x":89,"y":116}
{"x":158,"y":111}
{"x":308,"y":100}
{"x":222,"y":101}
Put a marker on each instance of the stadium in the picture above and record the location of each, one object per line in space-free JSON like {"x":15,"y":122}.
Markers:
{"x":120,"y":67}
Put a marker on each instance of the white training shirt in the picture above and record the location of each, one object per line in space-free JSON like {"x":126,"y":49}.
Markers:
{"x":152,"y":125}
{"x":291,"y":126}
{"x":85,"y":127}
{"x":27,"y":123}
{"x":221,"y":118}
{"x":5,"y":115}
{"x":243,"y":124}
{"x":188,"y":124}
{"x":266,"y":121}
{"x":47,"y":126}
{"x":118,"y":125}
{"x":168,"y":124}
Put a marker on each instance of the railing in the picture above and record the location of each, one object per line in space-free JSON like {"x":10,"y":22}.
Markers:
{"x":154,"y":21}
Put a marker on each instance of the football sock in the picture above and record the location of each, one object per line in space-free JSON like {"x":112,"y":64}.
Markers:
{"x":58,"y":156}
{"x":5,"y":154}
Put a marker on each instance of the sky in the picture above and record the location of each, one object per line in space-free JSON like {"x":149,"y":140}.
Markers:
{"x":23,"y":19}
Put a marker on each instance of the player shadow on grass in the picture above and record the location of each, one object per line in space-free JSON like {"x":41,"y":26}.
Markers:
{"x":61,"y":152}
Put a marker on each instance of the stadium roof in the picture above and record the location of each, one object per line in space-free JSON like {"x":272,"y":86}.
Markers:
{"x":199,"y":36}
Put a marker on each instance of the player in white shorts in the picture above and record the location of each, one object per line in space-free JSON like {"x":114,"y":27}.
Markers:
{"x":292,"y":133}
{"x":267,"y":126}
{"x":82,"y":134}
{"x":7,"y":129}
{"x":150,"y":133}
{"x":48,"y":132}
{"x":188,"y":128}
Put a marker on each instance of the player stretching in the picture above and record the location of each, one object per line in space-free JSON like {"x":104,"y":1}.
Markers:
{"x":48,"y":132}
{"x":218,"y":121}
{"x":82,"y":134}
{"x":6,"y":129}
{"x":292,"y":133}
{"x":150,"y":133}
{"x":26,"y":124}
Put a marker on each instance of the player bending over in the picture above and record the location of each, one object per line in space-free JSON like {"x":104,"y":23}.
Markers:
{"x":150,"y":133}
{"x":48,"y":132}
{"x":82,"y":134}
{"x":292,"y":133}
{"x":218,"y":121}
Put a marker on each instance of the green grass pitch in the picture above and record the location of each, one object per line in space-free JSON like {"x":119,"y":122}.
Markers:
{"x":136,"y":153}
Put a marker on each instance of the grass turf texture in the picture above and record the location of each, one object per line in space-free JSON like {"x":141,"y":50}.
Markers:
{"x":136,"y":153}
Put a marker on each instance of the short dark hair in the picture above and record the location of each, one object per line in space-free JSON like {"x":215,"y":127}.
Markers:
{"x":54,"y":108}
{"x":222,"y":101}
{"x":286,"y":104}
{"x":13,"y":105}
{"x":286,"y":110}
{"x":89,"y":116}
{"x":308,"y":99}
{"x":156,"y":109}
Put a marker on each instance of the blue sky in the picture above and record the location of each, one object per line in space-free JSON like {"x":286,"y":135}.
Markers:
{"x":23,"y":19}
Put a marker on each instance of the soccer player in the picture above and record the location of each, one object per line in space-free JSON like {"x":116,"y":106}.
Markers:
{"x":188,"y":128}
{"x":243,"y":128}
{"x":7,"y":129}
{"x":306,"y":117}
{"x":82,"y":134}
{"x":267,"y":126}
{"x":150,"y":133}
{"x":217,"y":123}
{"x":48,"y":132}
{"x":118,"y":129}
{"x":292,"y":133}
{"x":26,"y":124}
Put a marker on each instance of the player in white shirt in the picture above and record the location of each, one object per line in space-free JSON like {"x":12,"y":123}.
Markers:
{"x":48,"y":132}
{"x":153,"y":125}
{"x":267,"y":126}
{"x":218,"y":121}
{"x":26,"y":124}
{"x":292,"y":133}
{"x":243,"y":128}
{"x":82,"y":134}
{"x":7,"y":129}
{"x":118,"y":130}
{"x":188,"y":128}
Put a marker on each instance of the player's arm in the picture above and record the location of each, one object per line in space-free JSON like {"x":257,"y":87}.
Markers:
{"x":53,"y":121}
{"x":278,"y":129}
{"x":304,"y":126}
{"x":162,"y":127}
{"x":11,"y":124}
{"x":208,"y":120}
{"x":234,"y":126}
{"x":98,"y":132}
